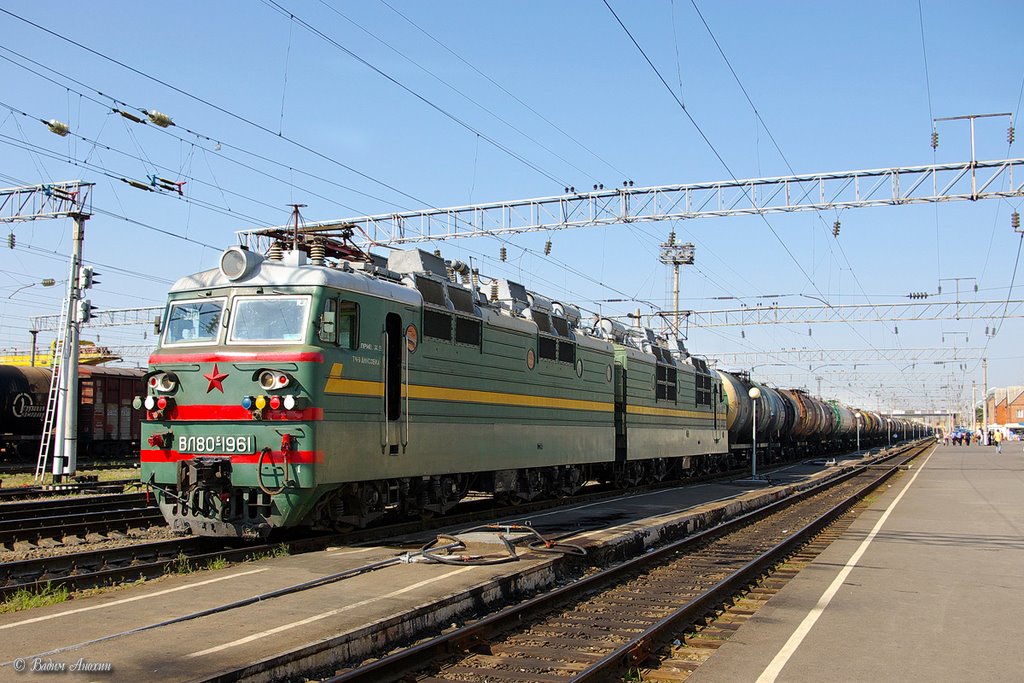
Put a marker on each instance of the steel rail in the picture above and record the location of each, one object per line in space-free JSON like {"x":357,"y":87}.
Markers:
{"x":33,"y":530}
{"x":77,"y":505}
{"x":96,"y":568}
{"x":23,"y":492}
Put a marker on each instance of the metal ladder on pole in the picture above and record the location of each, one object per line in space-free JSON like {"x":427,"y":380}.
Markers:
{"x":56,"y":377}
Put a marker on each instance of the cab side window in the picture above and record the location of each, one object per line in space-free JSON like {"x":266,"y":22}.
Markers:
{"x":348,"y":324}
{"x":328,"y":331}
{"x":339,"y":323}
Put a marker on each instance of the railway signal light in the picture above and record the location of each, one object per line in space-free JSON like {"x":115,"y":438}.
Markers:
{"x":85,"y":311}
{"x":87,"y":277}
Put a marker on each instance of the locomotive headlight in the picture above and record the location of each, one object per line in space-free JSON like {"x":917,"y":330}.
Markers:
{"x":261,"y":402}
{"x":150,"y":402}
{"x":275,"y":402}
{"x":272,"y":379}
{"x":289,"y":402}
{"x":248,"y":402}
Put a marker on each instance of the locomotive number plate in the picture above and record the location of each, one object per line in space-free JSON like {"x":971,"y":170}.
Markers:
{"x":217,"y":444}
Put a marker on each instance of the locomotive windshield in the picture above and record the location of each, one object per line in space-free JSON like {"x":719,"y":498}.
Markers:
{"x":269,"y":318}
{"x":194,"y":322}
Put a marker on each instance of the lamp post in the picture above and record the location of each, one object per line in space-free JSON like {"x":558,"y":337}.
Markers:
{"x":754,"y":393}
{"x":858,"y":416}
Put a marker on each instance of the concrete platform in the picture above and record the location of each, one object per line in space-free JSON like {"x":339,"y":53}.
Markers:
{"x":927,"y":585}
{"x":330,"y":624}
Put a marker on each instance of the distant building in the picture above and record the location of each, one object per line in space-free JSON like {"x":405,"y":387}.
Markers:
{"x":1006,"y":410}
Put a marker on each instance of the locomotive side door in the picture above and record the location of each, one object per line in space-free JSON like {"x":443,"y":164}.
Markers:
{"x":394,"y":347}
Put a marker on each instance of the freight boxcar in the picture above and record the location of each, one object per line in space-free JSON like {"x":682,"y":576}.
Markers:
{"x":108,"y":428}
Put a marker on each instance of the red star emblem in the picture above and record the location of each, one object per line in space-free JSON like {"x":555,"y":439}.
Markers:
{"x":216,"y":378}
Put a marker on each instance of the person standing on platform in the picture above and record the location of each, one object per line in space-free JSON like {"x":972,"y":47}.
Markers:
{"x":967,"y":438}
{"x":999,"y":442}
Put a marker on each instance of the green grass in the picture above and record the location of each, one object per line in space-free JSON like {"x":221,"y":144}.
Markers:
{"x":180,"y":565}
{"x":279,"y":551}
{"x":26,"y":599}
{"x":216,"y":563}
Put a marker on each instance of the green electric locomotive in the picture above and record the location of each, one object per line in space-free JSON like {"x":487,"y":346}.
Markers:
{"x":320,"y":386}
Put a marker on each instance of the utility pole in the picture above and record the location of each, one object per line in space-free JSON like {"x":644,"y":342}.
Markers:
{"x":974,"y":406}
{"x":675,"y":255}
{"x":71,"y":199}
{"x":984,"y":386}
{"x":65,"y":459}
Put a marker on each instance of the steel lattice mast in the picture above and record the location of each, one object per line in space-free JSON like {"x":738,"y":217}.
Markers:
{"x":70,"y":199}
{"x":970,"y":180}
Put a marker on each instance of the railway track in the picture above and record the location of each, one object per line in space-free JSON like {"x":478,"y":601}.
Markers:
{"x":69,"y":489}
{"x":29,"y":468}
{"x":109,"y":566}
{"x":71,"y":505}
{"x":38,"y":521}
{"x":600,"y":626}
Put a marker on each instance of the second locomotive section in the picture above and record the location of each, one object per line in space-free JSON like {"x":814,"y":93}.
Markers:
{"x":289,"y":390}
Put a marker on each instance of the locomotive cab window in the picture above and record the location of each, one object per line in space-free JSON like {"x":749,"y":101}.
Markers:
{"x":348,"y":324}
{"x":339,"y":323}
{"x":327,"y":329}
{"x":194,"y":322}
{"x":269,"y":319}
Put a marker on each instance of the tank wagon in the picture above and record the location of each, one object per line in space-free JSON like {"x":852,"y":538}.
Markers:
{"x":108,"y":428}
{"x":792,"y":423}
{"x":320,"y":386}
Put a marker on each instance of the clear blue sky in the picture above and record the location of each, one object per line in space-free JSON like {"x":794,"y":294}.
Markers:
{"x":841,"y":86}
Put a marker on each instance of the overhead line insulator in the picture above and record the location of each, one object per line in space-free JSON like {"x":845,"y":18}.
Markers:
{"x":137,"y":185}
{"x":128,"y":115}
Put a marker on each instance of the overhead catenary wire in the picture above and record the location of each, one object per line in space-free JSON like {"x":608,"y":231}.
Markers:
{"x":461,"y":93}
{"x":124,"y":109}
{"x":210,"y":104}
{"x":422,"y":98}
{"x":444,"y":46}
{"x":715,"y":150}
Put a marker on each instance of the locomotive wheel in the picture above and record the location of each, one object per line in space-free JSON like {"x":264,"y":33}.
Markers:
{"x":658,"y":470}
{"x":629,"y":474}
{"x":570,"y":480}
{"x":530,"y":485}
